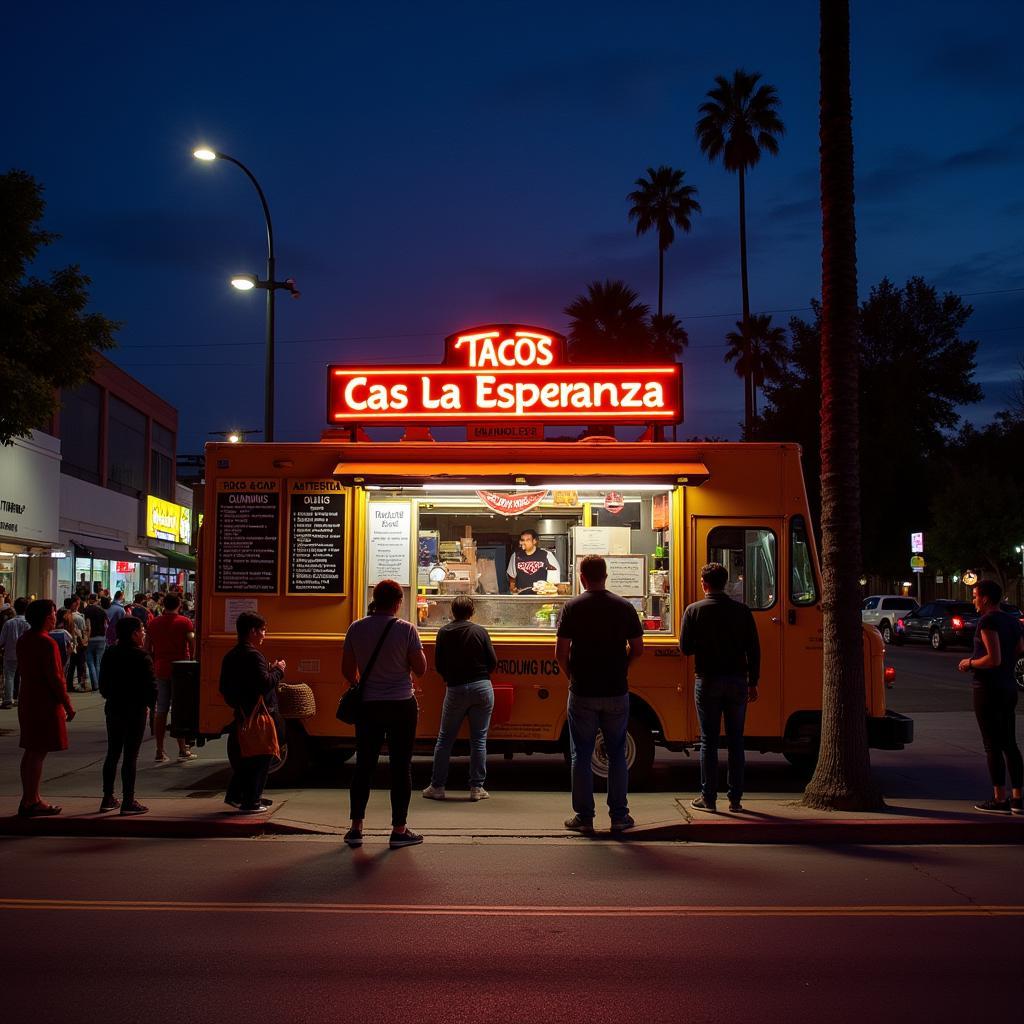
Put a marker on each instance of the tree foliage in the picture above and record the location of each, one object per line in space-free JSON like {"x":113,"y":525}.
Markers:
{"x":49,"y":338}
{"x":915,"y":369}
{"x":758,"y":351}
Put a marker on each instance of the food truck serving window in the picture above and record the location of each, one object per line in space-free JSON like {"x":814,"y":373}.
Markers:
{"x":516,"y":551}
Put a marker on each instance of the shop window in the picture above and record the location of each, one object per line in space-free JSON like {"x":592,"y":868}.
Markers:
{"x":749,"y":553}
{"x":445,"y":543}
{"x":80,"y":432}
{"x":161,"y":475}
{"x":126,"y":448}
{"x":803,"y":587}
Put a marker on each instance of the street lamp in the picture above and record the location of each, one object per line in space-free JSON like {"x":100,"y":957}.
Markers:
{"x":235,"y":436}
{"x":246,"y":282}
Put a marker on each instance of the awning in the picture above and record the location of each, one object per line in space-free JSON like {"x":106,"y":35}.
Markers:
{"x":529,"y":474}
{"x":146,"y":555}
{"x":176,"y":560}
{"x":101,"y":547}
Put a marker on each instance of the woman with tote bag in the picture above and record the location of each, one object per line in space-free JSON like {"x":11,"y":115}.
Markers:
{"x":382,"y":653}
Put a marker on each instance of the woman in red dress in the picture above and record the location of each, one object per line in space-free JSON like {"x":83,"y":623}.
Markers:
{"x":44,"y":708}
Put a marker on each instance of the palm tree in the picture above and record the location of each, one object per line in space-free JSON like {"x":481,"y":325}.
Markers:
{"x":759,"y":351}
{"x":668,"y":337}
{"x":608,"y":324}
{"x":842,"y":779}
{"x":662,"y":201}
{"x":739,"y":122}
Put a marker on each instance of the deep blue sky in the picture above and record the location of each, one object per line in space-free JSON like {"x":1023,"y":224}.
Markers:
{"x":434,"y":166}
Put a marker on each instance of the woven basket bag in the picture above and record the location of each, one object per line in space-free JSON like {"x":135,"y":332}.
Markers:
{"x":296,"y":700}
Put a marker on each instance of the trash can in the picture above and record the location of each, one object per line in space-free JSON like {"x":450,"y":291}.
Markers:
{"x":184,"y":722}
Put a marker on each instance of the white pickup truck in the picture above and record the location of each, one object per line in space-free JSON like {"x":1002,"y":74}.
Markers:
{"x":882,"y":611}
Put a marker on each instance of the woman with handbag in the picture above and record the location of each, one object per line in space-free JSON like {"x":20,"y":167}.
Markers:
{"x":381,"y":655}
{"x":248,"y":682}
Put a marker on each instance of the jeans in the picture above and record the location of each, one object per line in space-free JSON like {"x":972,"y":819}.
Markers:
{"x":249,"y":774}
{"x":380,"y":720}
{"x":723,"y":696}
{"x":10,"y":670}
{"x":125,"y":731}
{"x":611,"y":716}
{"x":477,"y":701}
{"x":76,"y":666}
{"x":93,"y":657}
{"x":994,"y":710}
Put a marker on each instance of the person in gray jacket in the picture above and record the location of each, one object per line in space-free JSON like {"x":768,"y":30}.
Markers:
{"x":721,"y":635}
{"x":464,"y":658}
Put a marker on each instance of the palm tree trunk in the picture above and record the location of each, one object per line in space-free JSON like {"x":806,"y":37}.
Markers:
{"x":842,"y":779}
{"x":661,"y":277}
{"x":747,"y":382}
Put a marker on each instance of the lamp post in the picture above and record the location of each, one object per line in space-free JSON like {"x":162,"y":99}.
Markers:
{"x":245,"y":282}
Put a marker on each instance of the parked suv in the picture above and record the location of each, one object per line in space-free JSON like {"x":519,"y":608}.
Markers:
{"x":882,"y":611}
{"x":938,"y":623}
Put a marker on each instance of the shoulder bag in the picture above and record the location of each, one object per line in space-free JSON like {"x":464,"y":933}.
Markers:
{"x":350,"y":706}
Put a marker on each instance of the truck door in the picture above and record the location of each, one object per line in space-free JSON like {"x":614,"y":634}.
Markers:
{"x":750,"y":549}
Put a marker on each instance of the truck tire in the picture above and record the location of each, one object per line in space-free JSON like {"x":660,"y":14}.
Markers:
{"x":639,"y":754}
{"x":885,"y":628}
{"x":296,"y":758}
{"x":935,"y":639}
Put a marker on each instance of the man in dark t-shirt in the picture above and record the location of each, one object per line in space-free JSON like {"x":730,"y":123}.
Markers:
{"x":997,"y":645}
{"x":599,"y":634}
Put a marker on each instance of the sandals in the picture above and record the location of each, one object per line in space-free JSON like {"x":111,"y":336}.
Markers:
{"x":38,"y":810}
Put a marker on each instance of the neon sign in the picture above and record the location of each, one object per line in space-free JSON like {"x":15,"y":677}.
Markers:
{"x":500,"y":372}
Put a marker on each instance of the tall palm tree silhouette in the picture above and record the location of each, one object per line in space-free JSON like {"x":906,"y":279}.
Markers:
{"x":739,"y":121}
{"x":668,"y":336}
{"x":608,"y":324}
{"x":661,"y":201}
{"x":759,"y":351}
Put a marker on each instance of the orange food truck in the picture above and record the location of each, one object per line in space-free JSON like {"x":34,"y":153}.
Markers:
{"x":301,"y":533}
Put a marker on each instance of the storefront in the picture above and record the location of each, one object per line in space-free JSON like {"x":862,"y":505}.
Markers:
{"x":168,"y":525}
{"x":29,"y":515}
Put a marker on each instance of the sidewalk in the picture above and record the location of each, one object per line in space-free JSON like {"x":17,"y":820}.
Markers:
{"x":930,"y":789}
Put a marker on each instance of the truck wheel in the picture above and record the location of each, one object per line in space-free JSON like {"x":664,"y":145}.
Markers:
{"x":296,"y":758}
{"x":885,"y":628}
{"x":639,"y":754}
{"x":936,"y":640}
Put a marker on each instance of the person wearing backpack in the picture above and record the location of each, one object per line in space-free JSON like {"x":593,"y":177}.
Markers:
{"x":382,"y":653}
{"x":245,"y":677}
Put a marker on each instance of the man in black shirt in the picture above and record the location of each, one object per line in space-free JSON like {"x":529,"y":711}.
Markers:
{"x":464,"y":657}
{"x":722,"y":635}
{"x":599,"y":634}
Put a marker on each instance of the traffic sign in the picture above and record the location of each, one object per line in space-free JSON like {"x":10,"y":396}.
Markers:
{"x":917,"y":563}
{"x":917,"y":543}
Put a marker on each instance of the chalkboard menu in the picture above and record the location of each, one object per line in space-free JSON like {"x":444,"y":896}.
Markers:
{"x":248,"y":519}
{"x":316,"y":537}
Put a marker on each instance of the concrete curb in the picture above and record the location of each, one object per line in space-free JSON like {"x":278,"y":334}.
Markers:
{"x":809,"y":831}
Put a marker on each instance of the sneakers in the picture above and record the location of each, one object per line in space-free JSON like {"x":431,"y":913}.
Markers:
{"x":621,"y":824}
{"x":134,"y":808}
{"x":264,"y":802}
{"x":7,"y":705}
{"x":188,"y":755}
{"x":478,"y":793}
{"x":994,"y":806}
{"x":735,"y":806}
{"x":161,"y":757}
{"x":260,"y":808}
{"x":406,"y":838}
{"x":577,"y":823}
{"x":354,"y":838}
{"x":1016,"y":806}
{"x":434,"y":792}
{"x":109,"y":803}
{"x":698,"y":803}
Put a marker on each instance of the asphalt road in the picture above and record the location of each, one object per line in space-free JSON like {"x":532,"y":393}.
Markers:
{"x":927,"y":680}
{"x":272,"y":930}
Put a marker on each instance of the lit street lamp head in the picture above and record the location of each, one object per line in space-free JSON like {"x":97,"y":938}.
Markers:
{"x":244,"y":282}
{"x":203,"y":153}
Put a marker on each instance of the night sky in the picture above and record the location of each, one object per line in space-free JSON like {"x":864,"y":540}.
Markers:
{"x":431,"y":167}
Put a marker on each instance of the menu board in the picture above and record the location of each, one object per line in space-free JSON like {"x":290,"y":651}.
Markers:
{"x":627,"y":574}
{"x":248,"y":530}
{"x":390,"y":542}
{"x":316,"y":537}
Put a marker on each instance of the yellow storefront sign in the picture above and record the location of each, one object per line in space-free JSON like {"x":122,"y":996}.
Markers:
{"x":167,"y":521}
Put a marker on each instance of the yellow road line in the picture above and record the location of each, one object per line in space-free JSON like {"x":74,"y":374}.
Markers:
{"x":512,"y":910}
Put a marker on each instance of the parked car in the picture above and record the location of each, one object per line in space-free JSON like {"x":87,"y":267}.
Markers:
{"x":938,"y":623}
{"x":1018,"y":669}
{"x":882,"y":611}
